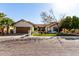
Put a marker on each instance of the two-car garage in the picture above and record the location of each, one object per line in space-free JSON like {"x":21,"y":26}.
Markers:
{"x":23,"y":26}
{"x":22,"y":29}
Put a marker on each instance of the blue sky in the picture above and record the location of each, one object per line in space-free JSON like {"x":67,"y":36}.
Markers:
{"x":31,"y":11}
{"x":28,"y":11}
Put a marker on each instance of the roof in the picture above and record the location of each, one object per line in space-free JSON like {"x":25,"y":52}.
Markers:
{"x":52,"y":24}
{"x":23,"y":21}
{"x":40,"y":25}
{"x":37,"y":25}
{"x":44,"y":25}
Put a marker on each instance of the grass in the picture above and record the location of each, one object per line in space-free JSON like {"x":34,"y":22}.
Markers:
{"x":44,"y":34}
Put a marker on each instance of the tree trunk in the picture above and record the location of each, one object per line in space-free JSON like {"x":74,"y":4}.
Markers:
{"x":7,"y":29}
{"x":2,"y":29}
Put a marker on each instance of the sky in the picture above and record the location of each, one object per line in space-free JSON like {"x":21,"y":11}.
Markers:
{"x":31,"y":11}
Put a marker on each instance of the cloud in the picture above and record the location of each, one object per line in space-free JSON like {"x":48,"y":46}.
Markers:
{"x":65,"y":8}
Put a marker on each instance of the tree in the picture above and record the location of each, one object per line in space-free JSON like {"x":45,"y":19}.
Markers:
{"x":66,"y":23}
{"x":75,"y":22}
{"x":5,"y":22}
{"x":70,"y":22}
{"x":47,"y":18}
{"x":2,"y":15}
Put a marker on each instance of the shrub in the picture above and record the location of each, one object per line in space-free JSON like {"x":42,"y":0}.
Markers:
{"x":72,"y":30}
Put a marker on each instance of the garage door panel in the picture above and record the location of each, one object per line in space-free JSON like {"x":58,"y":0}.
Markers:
{"x":22,"y":29}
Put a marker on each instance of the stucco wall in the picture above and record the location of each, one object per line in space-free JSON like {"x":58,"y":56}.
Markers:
{"x":50,"y":28}
{"x":23,"y":24}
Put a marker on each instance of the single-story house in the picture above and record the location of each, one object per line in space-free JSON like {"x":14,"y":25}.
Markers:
{"x":47,"y":28}
{"x":23,"y":26}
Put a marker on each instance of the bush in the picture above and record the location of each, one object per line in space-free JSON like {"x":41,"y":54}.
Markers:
{"x":72,"y":30}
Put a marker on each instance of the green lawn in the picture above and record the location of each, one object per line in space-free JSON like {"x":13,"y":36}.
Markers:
{"x":44,"y":34}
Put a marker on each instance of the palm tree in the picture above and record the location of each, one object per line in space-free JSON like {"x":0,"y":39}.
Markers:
{"x":7,"y":23}
{"x":2,"y":26}
{"x":2,"y":15}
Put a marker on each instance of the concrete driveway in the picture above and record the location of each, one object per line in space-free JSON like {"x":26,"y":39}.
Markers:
{"x":36,"y":46}
{"x":11,"y":37}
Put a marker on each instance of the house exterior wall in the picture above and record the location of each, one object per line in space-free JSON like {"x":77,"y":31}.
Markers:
{"x":23,"y":24}
{"x":50,"y":28}
{"x":32,"y":29}
{"x":46,"y":29}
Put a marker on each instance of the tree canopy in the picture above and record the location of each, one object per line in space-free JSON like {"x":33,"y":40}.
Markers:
{"x":47,"y":18}
{"x":5,"y":22}
{"x":69,"y":22}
